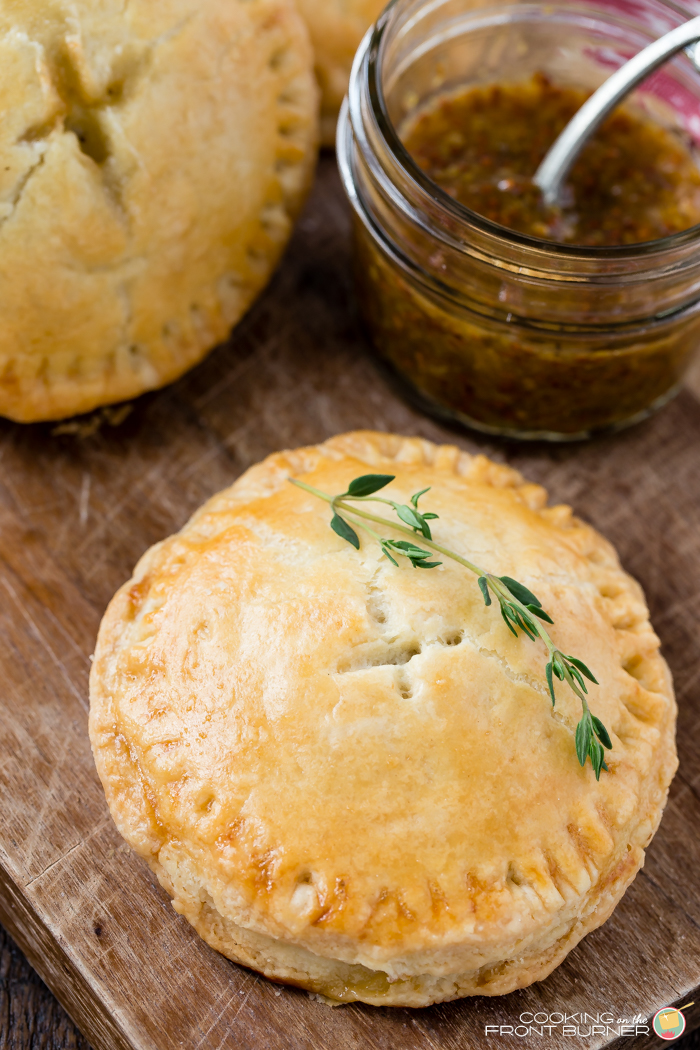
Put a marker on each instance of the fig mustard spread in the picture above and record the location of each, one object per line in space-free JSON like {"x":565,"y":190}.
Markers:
{"x":634,"y":181}
{"x":494,"y":309}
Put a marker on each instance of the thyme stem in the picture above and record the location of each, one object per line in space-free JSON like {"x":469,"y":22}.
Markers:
{"x":520,"y":608}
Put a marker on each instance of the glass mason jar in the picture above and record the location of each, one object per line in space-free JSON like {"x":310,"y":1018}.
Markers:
{"x":501,"y":331}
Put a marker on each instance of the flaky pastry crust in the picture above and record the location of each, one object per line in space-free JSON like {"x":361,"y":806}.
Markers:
{"x":336,"y":28}
{"x":349,"y":776}
{"x":153,"y":158}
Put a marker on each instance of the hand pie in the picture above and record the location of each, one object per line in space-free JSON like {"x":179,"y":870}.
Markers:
{"x":336,"y":27}
{"x":349,"y":775}
{"x":153,"y":156}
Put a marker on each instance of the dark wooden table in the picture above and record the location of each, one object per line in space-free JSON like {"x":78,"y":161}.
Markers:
{"x":80,"y":503}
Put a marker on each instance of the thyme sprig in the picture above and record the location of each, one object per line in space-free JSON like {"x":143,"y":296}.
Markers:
{"x":520,"y":608}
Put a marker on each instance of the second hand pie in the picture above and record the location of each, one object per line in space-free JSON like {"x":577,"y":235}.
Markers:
{"x":153,"y":158}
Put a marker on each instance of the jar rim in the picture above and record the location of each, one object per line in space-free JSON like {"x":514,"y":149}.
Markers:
{"x":370,"y":57}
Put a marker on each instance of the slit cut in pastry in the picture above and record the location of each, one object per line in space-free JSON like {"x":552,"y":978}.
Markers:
{"x":153,"y":157}
{"x":349,"y":776}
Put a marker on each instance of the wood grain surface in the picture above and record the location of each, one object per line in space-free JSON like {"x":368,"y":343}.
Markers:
{"x":30,"y":1016}
{"x":79,"y":504}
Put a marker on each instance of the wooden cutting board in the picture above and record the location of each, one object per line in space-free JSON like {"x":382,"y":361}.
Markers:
{"x":80,"y":503}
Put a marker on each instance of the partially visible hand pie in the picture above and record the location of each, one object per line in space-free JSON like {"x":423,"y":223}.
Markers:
{"x":153,"y":156}
{"x":337,"y":28}
{"x":349,"y":775}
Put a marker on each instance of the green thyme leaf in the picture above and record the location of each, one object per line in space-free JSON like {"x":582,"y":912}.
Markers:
{"x":390,"y":556}
{"x":509,"y":625}
{"x":368,"y":484}
{"x":417,"y":495}
{"x":523,"y":622}
{"x":416,"y":555}
{"x":413,"y":518}
{"x":520,"y":609}
{"x":597,"y":757}
{"x":425,"y":528}
{"x":484,"y":584}
{"x":601,"y":732}
{"x":519,"y":591}
{"x":345,"y":531}
{"x":408,"y":548}
{"x":583,"y":739}
{"x":582,"y":667}
{"x":576,"y":675}
{"x":409,"y":515}
{"x":528,"y":626}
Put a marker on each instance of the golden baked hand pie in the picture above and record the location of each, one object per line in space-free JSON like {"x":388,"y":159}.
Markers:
{"x":336,"y":27}
{"x":349,"y":775}
{"x":152,"y":158}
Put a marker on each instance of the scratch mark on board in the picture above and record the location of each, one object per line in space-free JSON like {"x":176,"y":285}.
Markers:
{"x":84,"y":503}
{"x":253,"y":982}
{"x":64,"y":856}
{"x":34,"y":628}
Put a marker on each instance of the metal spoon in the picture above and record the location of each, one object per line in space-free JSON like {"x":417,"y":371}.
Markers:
{"x":555,"y":166}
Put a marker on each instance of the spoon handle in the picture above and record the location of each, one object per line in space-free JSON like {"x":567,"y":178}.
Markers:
{"x":558,"y":161}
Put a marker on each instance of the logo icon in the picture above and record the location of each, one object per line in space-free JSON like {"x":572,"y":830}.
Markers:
{"x":669,"y":1022}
